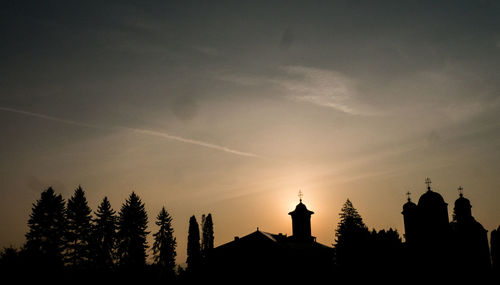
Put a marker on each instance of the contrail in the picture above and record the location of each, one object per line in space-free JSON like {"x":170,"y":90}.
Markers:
{"x":135,"y":130}
{"x":41,"y":116}
{"x":200,"y":143}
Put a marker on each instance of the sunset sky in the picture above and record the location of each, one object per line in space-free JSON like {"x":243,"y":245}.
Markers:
{"x":231,"y":107}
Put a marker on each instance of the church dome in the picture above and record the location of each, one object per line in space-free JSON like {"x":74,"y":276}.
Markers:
{"x":462,"y":208}
{"x":462,"y":203}
{"x":301,"y":208}
{"x":408,"y":206}
{"x":431,"y":199}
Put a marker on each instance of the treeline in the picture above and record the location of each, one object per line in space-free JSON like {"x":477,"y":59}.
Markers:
{"x":65,"y":241}
{"x":357,"y":249}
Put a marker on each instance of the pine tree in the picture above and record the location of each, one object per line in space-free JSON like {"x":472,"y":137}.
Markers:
{"x":104,"y":235}
{"x":165,"y":244}
{"x":352,"y":237}
{"x":78,"y":230}
{"x":193,"y":245}
{"x":132,"y":225}
{"x":207,"y":241}
{"x":47,"y":224}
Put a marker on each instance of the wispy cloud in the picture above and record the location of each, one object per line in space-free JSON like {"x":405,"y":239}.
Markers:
{"x":135,"y":130}
{"x":241,"y":80}
{"x":206,"y":50}
{"x":321,"y":87}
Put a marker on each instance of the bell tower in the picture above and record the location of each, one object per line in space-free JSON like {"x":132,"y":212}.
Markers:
{"x":301,"y":222}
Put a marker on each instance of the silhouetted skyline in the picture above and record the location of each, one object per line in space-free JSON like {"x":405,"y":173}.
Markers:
{"x":64,"y":242}
{"x":230,"y":108}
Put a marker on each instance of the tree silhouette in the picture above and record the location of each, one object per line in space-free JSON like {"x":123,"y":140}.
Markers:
{"x":193,"y":245}
{"x":132,"y":225}
{"x":104,"y":235}
{"x":207,"y":241}
{"x":165,"y":244}
{"x":9,"y":260}
{"x":352,"y":237}
{"x":385,"y":251}
{"x":78,"y":230}
{"x":44,"y":240}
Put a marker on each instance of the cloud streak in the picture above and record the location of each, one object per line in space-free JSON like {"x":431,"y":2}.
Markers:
{"x":135,"y":130}
{"x":190,"y":141}
{"x":50,"y":118}
{"x":321,"y":87}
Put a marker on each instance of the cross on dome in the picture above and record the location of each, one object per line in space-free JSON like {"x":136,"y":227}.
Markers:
{"x":428,"y":182}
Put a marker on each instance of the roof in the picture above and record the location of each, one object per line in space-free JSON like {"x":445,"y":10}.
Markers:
{"x":301,"y":208}
{"x":431,"y":198}
{"x":462,"y":202}
{"x":409,"y":206}
{"x":280,"y":240}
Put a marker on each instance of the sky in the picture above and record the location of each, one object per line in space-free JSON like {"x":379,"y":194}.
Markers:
{"x":232,"y":107}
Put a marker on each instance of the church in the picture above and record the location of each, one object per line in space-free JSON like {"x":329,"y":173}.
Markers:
{"x":436,"y":243}
{"x":274,"y":256}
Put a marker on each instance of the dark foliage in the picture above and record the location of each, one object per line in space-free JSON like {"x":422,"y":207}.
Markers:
{"x":164,"y":245}
{"x":78,"y":230}
{"x":47,"y":225}
{"x":385,"y":251}
{"x":352,"y":237}
{"x":193,"y":246}
{"x":132,"y":225}
{"x":10,"y":259}
{"x":207,"y":238}
{"x":104,"y":236}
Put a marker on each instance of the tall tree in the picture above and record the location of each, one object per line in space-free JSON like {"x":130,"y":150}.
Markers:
{"x":78,"y":229}
{"x":351,"y":238}
{"x":132,"y":225}
{"x":165,"y":244}
{"x":193,"y":245}
{"x":104,"y":235}
{"x":207,"y":238}
{"x":47,"y":224}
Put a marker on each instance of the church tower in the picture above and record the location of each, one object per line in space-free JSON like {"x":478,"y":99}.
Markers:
{"x":471,"y":239}
{"x":301,"y":222}
{"x":427,"y":231}
{"x":462,"y":211}
{"x":410,"y":215}
{"x":433,"y":213}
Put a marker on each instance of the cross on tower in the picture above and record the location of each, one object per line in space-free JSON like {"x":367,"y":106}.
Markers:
{"x":408,"y":194}
{"x":428,"y":182}
{"x":300,"y":196}
{"x":460,"y":191}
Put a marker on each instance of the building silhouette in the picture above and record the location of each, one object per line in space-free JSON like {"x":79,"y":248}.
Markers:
{"x":495,"y":251}
{"x":435,"y":244}
{"x":263,"y":255}
{"x":471,"y":248}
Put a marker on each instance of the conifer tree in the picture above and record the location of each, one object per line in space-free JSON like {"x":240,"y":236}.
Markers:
{"x":104,"y":235}
{"x":132,"y":225}
{"x":47,"y":224}
{"x":352,"y":237}
{"x":207,"y":240}
{"x":165,"y":244}
{"x":193,"y":245}
{"x":78,"y":230}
